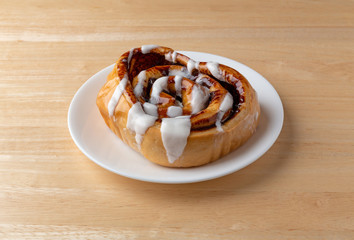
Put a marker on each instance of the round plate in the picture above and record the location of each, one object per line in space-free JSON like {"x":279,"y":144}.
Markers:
{"x":99,"y":143}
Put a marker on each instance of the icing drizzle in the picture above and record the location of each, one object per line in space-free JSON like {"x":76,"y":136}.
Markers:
{"x":139,"y":122}
{"x":178,"y":85}
{"x":147,"y":48}
{"x":174,"y":133}
{"x":159,"y":85}
{"x":191,"y":65}
{"x":116,"y":95}
{"x":151,"y":109}
{"x":171,"y":56}
{"x":138,"y":90}
{"x":199,"y":98}
{"x":183,"y":73}
{"x":174,"y":111}
{"x":224,"y":107}
{"x":214,"y":69}
{"x":174,"y":56}
{"x":130,"y":56}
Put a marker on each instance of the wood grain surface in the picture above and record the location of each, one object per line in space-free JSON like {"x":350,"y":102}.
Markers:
{"x":302,"y":188}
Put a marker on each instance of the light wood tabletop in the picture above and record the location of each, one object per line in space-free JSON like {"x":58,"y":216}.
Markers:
{"x":302,"y":188}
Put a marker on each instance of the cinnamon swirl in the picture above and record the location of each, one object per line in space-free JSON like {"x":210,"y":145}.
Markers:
{"x":175,"y":111}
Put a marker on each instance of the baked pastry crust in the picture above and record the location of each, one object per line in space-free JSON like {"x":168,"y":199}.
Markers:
{"x":207,"y":141}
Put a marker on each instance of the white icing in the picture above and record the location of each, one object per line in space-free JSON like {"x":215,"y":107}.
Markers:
{"x":174,"y":55}
{"x":171,"y":56}
{"x":218,"y":122}
{"x":178,"y":84}
{"x":139,"y":122}
{"x":199,"y":98}
{"x":138,"y":90}
{"x":174,"y":133}
{"x":191,"y":64}
{"x":230,"y":77}
{"x":151,"y":109}
{"x":184,"y":73}
{"x":174,"y":111}
{"x":168,"y":56}
{"x":116,"y":95}
{"x":159,"y":85}
{"x":225,"y":105}
{"x":130,"y":56}
{"x":199,"y":79}
{"x":214,"y":69}
{"x":147,"y":48}
{"x":202,"y":79}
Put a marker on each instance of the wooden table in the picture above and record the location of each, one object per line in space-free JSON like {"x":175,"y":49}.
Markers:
{"x":302,"y":188}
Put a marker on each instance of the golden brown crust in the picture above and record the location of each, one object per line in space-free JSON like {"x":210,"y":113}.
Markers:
{"x":203,"y":146}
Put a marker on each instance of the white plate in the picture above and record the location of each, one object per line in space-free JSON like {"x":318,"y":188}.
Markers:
{"x":98,"y":143}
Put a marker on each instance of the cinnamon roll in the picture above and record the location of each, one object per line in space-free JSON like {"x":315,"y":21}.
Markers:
{"x":175,"y":111}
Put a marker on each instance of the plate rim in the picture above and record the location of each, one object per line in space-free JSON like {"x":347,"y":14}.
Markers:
{"x":174,"y":181}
